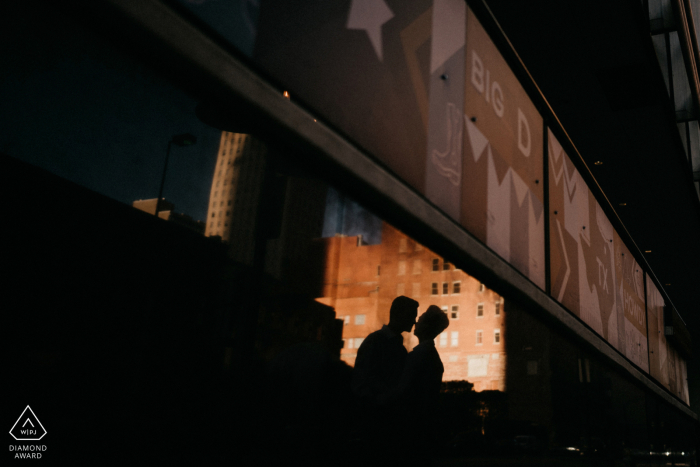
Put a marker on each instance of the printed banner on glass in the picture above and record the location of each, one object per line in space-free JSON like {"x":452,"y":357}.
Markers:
{"x":363,"y":65}
{"x":582,"y":257}
{"x":420,"y":85}
{"x":502,"y":195}
{"x":658,"y":353}
{"x":443,"y":184}
{"x":630,"y":304}
{"x":677,"y":375}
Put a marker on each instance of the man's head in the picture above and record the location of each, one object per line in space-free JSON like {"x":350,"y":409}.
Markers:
{"x":431,"y":323}
{"x":402,"y":315}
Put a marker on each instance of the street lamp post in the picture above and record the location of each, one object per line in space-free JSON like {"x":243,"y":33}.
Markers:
{"x":186,"y":139}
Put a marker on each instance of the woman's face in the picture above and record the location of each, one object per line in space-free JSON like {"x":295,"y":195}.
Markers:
{"x":420,"y":328}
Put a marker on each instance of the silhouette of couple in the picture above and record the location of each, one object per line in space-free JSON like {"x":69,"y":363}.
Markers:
{"x":398,"y":391}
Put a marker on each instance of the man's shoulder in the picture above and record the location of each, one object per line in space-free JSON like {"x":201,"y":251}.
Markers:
{"x":375,"y":337}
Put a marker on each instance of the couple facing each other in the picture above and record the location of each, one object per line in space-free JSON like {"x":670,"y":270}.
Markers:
{"x":386,"y":375}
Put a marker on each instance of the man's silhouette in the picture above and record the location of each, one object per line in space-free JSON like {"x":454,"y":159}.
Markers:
{"x":378,"y":368}
{"x":381,"y":357}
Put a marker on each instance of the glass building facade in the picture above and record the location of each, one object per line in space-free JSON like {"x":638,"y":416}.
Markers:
{"x":314,"y":161}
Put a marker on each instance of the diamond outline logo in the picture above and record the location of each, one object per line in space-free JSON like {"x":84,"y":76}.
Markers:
{"x":28,"y":419}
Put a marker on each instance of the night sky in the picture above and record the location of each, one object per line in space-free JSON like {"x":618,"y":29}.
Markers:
{"x":76,"y":107}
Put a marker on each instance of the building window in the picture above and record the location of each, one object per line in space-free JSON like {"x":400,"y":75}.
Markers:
{"x":481,"y":287}
{"x":433,"y":288}
{"x":379,"y":270}
{"x":480,"y":310}
{"x":446,"y":266}
{"x":436,"y":264}
{"x":402,"y":268}
{"x":346,"y":320}
{"x":444,"y":308}
{"x":350,"y":342}
{"x":456,"y":287}
{"x":455,"y":338}
{"x":226,"y":224}
{"x":496,"y":336}
{"x":443,"y":339}
{"x":400,"y":289}
{"x":417,"y":266}
{"x":403,"y":245}
{"x":228,"y":213}
{"x":213,"y":214}
{"x":445,"y":288}
{"x":358,"y":342}
{"x":360,"y":319}
{"x":479,"y":335}
{"x":221,"y":203}
{"x":218,"y":224}
{"x":416,"y":289}
{"x":454,"y":314}
{"x":229,"y":203}
{"x":497,"y":311}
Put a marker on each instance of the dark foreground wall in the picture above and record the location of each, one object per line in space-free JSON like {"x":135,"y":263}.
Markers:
{"x":124,"y":331}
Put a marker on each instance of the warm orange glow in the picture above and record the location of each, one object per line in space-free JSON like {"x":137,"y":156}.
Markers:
{"x":598,"y":163}
{"x":285,"y":94}
{"x":361,"y":280}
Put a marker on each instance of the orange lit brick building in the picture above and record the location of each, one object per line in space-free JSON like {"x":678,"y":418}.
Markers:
{"x":360,"y":281}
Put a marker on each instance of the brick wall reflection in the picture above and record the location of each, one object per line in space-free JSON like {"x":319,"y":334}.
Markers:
{"x":360,"y":281}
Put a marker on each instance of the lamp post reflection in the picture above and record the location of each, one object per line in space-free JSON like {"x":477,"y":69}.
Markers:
{"x":185,"y":139}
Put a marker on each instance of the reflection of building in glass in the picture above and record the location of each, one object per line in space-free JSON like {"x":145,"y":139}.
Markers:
{"x":235,"y":193}
{"x":234,"y":184}
{"x":167,"y":212}
{"x":361,"y":280}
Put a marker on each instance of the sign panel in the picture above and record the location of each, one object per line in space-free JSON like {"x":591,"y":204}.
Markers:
{"x":582,"y":256}
{"x":630,"y":305}
{"x":677,"y":375}
{"x":658,"y":354}
{"x":502,"y":196}
{"x":363,"y":66}
{"x":443,"y":184}
{"x":421,"y":86}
